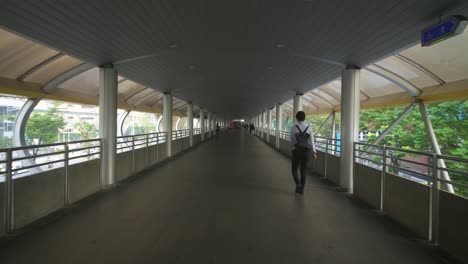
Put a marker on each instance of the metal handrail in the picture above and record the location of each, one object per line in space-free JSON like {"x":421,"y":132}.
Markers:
{"x":65,"y":154}
{"x":433,"y":176}
{"x":284,"y":134}
{"x":182,"y":133}
{"x":31,"y":154}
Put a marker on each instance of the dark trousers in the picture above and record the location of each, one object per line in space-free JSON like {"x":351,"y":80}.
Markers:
{"x":300,"y":159}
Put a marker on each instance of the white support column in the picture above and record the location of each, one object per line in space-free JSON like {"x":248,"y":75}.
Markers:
{"x":298,"y":105}
{"x":213,"y":123}
{"x":190,"y":122}
{"x":350,"y":106}
{"x":108,"y":124}
{"x":268,"y":122}
{"x":262,"y":117}
{"x":257,"y":127}
{"x":279,"y":120}
{"x":167,"y":113}
{"x":333,"y":126}
{"x":208,"y":125}
{"x":202,"y":123}
{"x":255,"y":124}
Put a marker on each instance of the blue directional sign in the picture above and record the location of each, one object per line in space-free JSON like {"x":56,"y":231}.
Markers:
{"x":444,"y":30}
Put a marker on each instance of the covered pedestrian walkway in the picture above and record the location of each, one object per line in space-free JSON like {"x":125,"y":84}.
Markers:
{"x":115,"y":147}
{"x":223,"y":202}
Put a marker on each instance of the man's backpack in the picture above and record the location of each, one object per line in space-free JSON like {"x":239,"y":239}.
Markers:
{"x":302,"y":139}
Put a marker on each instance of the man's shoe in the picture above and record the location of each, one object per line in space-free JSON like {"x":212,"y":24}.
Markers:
{"x":298,"y":189}
{"x":301,"y":191}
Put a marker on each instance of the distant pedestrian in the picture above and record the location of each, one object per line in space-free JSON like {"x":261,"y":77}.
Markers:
{"x":252,"y":128}
{"x":302,"y":141}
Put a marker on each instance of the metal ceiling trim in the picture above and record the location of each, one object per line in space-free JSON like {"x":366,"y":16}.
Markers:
{"x":65,"y":76}
{"x":420,"y":67}
{"x":310,"y":102}
{"x":395,"y":79}
{"x":145,"y":98}
{"x":39,"y":66}
{"x":323,"y":99}
{"x":135,"y":94}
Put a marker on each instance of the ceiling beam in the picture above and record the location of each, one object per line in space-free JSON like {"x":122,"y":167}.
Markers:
{"x":65,"y":76}
{"x":40,"y":66}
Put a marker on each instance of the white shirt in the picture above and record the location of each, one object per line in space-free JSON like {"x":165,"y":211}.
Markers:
{"x":294,"y":131}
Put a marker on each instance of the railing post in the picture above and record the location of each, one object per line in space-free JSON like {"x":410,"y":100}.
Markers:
{"x":434,"y":214}
{"x":384,"y":173}
{"x":354,"y":163}
{"x":66,"y":183}
{"x":326,"y":159}
{"x":9,"y":197}
{"x":133,"y":153}
{"x":157,"y":146}
{"x":101,"y":143}
{"x":147,"y":150}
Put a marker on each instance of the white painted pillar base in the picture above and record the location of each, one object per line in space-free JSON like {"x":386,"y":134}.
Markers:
{"x":350,"y":106}
{"x":108,"y":124}
{"x":208,"y":125}
{"x":190,"y":122}
{"x":268,"y":124}
{"x":202,"y":123}
{"x":297,"y":106}
{"x":262,"y":117}
{"x":167,"y":113}
{"x":279,"y":120}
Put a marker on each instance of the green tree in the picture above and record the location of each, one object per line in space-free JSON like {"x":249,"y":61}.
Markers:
{"x":6,"y":142}
{"x":87,"y":130}
{"x":449,"y":121}
{"x":44,"y":126}
{"x":316,"y":121}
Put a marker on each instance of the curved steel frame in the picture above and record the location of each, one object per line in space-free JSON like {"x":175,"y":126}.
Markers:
{"x":120,"y":122}
{"x":21,"y":120}
{"x":420,"y":67}
{"x":395,"y":79}
{"x":65,"y":76}
{"x":40,"y":66}
{"x":19,"y":130}
{"x":158,"y":124}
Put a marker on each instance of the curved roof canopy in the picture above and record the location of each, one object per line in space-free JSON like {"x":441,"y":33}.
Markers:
{"x":234,"y":58}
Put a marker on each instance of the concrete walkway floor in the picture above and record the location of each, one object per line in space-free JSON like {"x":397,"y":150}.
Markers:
{"x":230,"y":200}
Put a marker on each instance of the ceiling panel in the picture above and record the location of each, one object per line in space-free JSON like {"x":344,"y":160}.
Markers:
{"x":232,"y":57}
{"x":87,"y":82}
{"x":52,"y":70}
{"x":19,"y":55}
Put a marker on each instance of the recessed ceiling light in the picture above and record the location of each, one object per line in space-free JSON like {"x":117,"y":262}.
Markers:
{"x":270,"y":68}
{"x":173,"y":45}
{"x":191,"y":67}
{"x":280,"y":45}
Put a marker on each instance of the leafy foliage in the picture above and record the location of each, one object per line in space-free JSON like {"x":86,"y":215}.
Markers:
{"x":6,"y":142}
{"x":44,"y":126}
{"x":449,"y":121}
{"x":87,"y":130}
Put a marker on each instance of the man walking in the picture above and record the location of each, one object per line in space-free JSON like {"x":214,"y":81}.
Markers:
{"x":252,"y":128}
{"x":302,"y":140}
